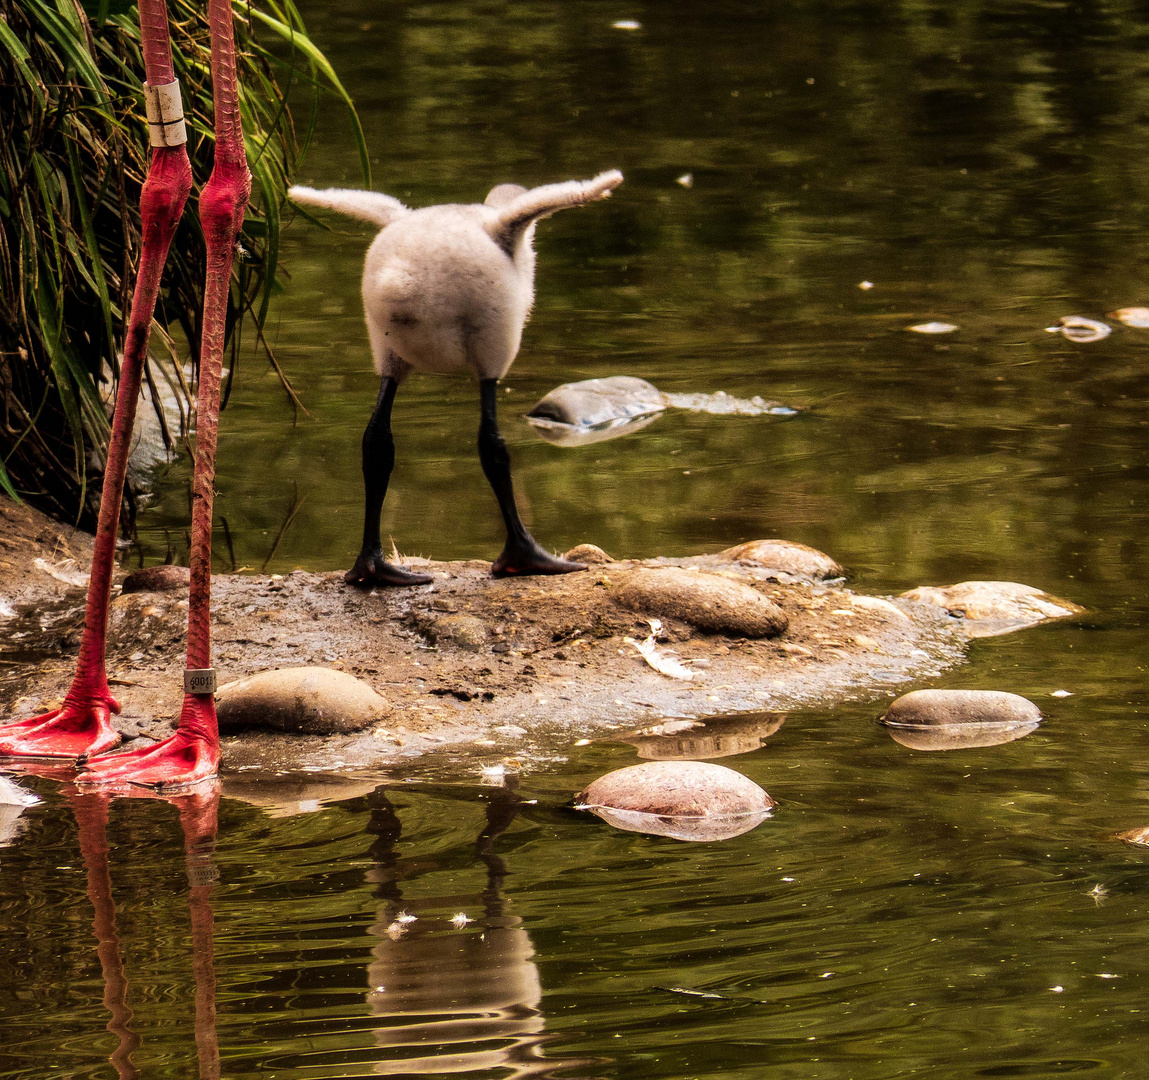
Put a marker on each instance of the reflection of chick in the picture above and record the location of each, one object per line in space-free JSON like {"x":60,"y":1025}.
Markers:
{"x":446,"y":289}
{"x":462,"y":999}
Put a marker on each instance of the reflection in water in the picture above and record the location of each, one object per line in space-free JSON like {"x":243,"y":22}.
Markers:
{"x":199,"y":821}
{"x":454,"y":1000}
{"x":702,"y":740}
{"x":958,"y":736}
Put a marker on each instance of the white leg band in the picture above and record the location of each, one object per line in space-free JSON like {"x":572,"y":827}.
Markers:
{"x":165,"y":114}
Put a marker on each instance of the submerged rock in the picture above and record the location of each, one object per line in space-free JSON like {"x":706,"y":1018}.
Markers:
{"x":954,"y":719}
{"x":999,"y":606}
{"x":686,"y":800}
{"x":157,"y":579}
{"x":708,"y":601}
{"x":785,"y":557}
{"x":303,"y":700}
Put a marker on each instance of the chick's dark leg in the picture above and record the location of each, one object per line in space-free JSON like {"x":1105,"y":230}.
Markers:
{"x":522,"y":554}
{"x":371,"y":568}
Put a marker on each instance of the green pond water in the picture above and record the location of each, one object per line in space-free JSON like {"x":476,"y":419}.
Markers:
{"x":903,"y":914}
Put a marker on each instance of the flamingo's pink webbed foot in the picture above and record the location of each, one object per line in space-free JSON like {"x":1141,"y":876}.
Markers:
{"x":189,"y":757}
{"x":72,"y":731}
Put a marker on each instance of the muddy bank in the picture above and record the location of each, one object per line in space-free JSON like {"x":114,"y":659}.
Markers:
{"x":501,"y":666}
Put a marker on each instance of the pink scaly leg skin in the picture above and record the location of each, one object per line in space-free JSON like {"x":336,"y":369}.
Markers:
{"x":83,"y":724}
{"x":192,"y":754}
{"x":189,"y":757}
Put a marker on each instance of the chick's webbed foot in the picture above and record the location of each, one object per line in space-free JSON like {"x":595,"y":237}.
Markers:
{"x":523,"y":558}
{"x":371,"y":568}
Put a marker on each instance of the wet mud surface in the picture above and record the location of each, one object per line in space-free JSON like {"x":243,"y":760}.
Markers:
{"x":467,"y":664}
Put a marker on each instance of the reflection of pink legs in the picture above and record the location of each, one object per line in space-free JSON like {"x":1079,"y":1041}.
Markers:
{"x":91,"y":812}
{"x":199,"y":816}
{"x":192,"y":754}
{"x":83,"y":725}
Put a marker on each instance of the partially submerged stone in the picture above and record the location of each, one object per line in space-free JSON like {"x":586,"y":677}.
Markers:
{"x":591,"y":554}
{"x":785,"y":557}
{"x":303,"y":700}
{"x":699,"y":740}
{"x":997,"y":607}
{"x":593,"y":410}
{"x":157,"y":579}
{"x":955,"y":719}
{"x":708,"y":601}
{"x":685,"y":800}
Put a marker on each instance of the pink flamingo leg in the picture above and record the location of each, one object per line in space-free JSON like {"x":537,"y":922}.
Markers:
{"x":82,"y":725}
{"x":192,"y":754}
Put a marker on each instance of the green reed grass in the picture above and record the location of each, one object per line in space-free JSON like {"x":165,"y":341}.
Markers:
{"x":73,"y":155}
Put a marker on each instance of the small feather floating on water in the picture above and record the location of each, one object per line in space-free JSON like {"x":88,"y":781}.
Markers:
{"x":865,"y":285}
{"x":13,"y":795}
{"x":460,"y":919}
{"x":396,"y":930}
{"x":686,"y":991}
{"x":1137,"y":317}
{"x":626,"y":24}
{"x":687,"y":181}
{"x":405,"y":917}
{"x":1080,"y":329}
{"x":933,"y":328}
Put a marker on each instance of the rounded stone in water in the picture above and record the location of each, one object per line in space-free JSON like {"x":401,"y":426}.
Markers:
{"x":684,"y":800}
{"x":960,"y":719}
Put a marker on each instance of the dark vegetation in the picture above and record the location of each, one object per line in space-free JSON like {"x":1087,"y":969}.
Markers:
{"x":73,"y":155}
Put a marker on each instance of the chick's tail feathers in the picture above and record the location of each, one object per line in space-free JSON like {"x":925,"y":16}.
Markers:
{"x":372,"y":206}
{"x":520,"y":213}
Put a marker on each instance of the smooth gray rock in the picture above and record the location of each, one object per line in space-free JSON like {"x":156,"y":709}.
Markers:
{"x":685,"y":800}
{"x":575,"y":414}
{"x":945,"y":708}
{"x":708,"y":601}
{"x":304,"y":700}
